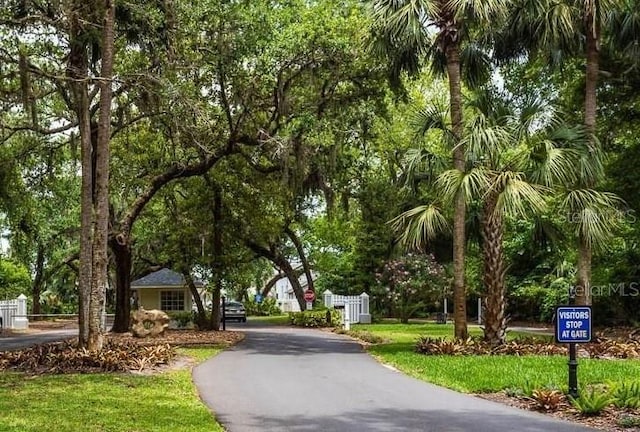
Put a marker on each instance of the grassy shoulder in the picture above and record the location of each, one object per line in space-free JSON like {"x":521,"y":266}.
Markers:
{"x":482,"y":374}
{"x":271,"y":320}
{"x":161,"y":402}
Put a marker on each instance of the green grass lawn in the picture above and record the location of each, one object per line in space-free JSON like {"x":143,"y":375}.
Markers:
{"x":273,"y":320}
{"x":105,"y":402}
{"x":479,"y":374}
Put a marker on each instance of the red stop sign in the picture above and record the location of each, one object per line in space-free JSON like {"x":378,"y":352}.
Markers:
{"x":309,"y":295}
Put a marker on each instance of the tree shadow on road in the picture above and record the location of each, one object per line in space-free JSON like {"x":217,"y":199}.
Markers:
{"x":296,"y":344}
{"x":411,"y":420}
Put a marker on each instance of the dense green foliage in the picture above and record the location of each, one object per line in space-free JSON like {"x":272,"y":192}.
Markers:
{"x":14,"y":280}
{"x":316,"y":318}
{"x":253,"y":138}
{"x":267,"y":307}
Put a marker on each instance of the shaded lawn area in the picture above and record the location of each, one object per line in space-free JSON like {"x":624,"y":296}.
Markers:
{"x":409,"y":333}
{"x":271,"y":320}
{"x":105,"y":402}
{"x":482,"y":374}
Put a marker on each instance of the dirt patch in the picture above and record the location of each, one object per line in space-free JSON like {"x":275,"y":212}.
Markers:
{"x":608,"y":420}
{"x":55,"y":324}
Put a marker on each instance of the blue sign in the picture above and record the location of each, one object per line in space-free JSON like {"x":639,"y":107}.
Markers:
{"x":573,"y":324}
{"x":258,"y":298}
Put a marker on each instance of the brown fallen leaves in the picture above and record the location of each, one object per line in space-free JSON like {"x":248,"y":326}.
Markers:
{"x":121,"y":353}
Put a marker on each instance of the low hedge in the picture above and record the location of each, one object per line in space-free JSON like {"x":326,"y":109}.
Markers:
{"x":316,"y":318}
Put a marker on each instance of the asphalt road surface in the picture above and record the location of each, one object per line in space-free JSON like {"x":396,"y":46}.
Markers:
{"x":20,"y":341}
{"x":290,"y":379}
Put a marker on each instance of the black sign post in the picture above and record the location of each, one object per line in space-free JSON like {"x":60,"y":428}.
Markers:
{"x":573,"y":326}
{"x":224,"y":315}
{"x":573,"y":361}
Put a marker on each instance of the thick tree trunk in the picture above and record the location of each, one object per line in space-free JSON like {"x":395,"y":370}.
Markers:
{"x":281,"y":262}
{"x":271,"y":283}
{"x":201,"y":317}
{"x":583,"y":282}
{"x":38,"y":281}
{"x":218,"y":249}
{"x":121,"y":249}
{"x":266,"y":289}
{"x":494,"y":273}
{"x":215,"y":307}
{"x":459,"y":210}
{"x":292,"y":275}
{"x":101,"y":229}
{"x":303,"y":257}
{"x":77,"y":70}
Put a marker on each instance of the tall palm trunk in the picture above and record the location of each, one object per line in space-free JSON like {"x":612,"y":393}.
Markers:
{"x":455,"y":96}
{"x":592,"y":33}
{"x":494,"y":272}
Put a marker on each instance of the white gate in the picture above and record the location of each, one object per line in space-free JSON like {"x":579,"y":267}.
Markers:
{"x":357,"y":307}
{"x":14,"y":313}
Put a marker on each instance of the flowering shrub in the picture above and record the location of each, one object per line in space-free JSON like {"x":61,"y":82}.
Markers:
{"x":410,"y":283}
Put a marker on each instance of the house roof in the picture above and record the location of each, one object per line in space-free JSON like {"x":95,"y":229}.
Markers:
{"x":162,"y":278}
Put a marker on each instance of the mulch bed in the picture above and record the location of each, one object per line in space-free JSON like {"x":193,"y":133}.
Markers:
{"x":121,"y":353}
{"x":183,"y":338}
{"x":606,"y":421}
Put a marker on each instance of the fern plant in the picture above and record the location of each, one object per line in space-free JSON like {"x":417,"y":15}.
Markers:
{"x":528,"y":387}
{"x":591,"y":403}
{"x":626,"y":394}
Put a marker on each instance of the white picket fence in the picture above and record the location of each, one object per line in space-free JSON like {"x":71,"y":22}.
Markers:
{"x":356,"y":307}
{"x":14,"y":313}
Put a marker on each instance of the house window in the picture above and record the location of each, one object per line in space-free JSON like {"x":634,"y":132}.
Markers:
{"x":172,"y":300}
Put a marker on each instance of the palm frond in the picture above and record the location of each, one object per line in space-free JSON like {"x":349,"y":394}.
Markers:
{"x":550,"y":165}
{"x":422,"y":163}
{"x":476,"y":65}
{"x":585,"y":150}
{"x":594,"y":215}
{"x":419,"y":225}
{"x":471,"y":184}
{"x":624,"y":30}
{"x":516,"y":196}
{"x":485,"y":141}
{"x":485,"y":12}
{"x":434,"y":116}
{"x":405,"y":19}
{"x":400,"y":35}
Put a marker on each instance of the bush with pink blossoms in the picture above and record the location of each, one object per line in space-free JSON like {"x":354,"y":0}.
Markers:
{"x":409,"y":284}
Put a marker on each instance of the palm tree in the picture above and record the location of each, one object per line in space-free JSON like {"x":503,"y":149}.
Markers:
{"x":517,"y":157}
{"x":566,"y":27}
{"x":624,"y":30}
{"x":409,"y":31}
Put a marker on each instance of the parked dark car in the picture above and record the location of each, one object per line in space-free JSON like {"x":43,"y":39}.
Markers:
{"x":234,"y":310}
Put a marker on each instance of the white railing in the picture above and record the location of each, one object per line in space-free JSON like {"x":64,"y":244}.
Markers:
{"x":356,"y":307}
{"x":14,"y":313}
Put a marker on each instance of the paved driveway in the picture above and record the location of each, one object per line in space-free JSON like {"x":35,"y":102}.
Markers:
{"x":25,"y":340}
{"x":289,"y":379}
